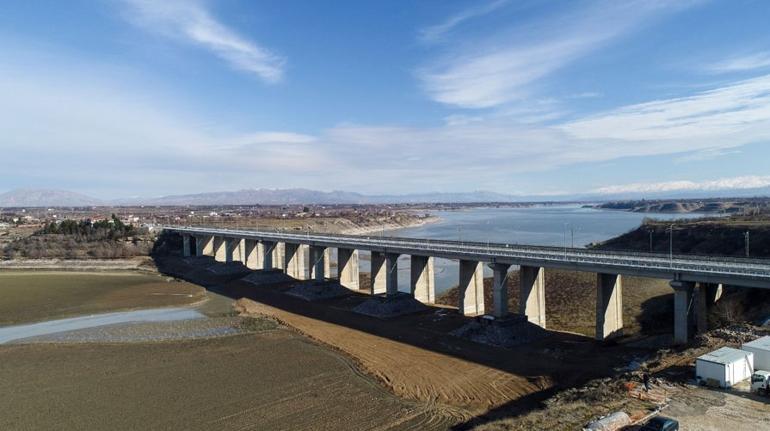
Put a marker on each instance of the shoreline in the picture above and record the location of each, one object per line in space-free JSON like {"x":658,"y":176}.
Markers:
{"x":365,"y":230}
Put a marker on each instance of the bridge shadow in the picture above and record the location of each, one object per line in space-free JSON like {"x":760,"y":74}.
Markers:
{"x":564,"y":359}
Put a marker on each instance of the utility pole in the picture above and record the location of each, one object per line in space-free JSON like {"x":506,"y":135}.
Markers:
{"x":565,"y":240}
{"x":746,"y":236}
{"x":671,"y":245}
{"x":650,"y":240}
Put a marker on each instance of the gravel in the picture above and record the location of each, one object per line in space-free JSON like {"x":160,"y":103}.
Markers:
{"x":505,"y":333}
{"x":384,"y":307}
{"x":318,"y":290}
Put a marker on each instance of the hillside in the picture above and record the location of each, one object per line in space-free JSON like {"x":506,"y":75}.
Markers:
{"x":46,"y":198}
{"x":715,"y":236}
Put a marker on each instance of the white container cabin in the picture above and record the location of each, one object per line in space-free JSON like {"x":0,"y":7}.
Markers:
{"x":761,"y":350}
{"x":724,"y":367}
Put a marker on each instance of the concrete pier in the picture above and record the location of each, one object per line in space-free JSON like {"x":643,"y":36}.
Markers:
{"x":384,"y":273}
{"x":683,"y":291}
{"x":609,"y":306}
{"x":471,"y":288}
{"x":279,"y":255}
{"x":377,"y":273}
{"x":232,"y":249}
{"x":219,"y":249}
{"x":422,"y":281}
{"x":186,"y":245}
{"x":204,"y":245}
{"x":532,"y":294}
{"x":268,"y":249}
{"x":347,"y":267}
{"x":705,"y":296}
{"x":500,"y":289}
{"x":296,"y":260}
{"x":253,"y":255}
{"x":319,"y":263}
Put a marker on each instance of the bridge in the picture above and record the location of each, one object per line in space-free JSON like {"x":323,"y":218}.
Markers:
{"x":696,"y":280}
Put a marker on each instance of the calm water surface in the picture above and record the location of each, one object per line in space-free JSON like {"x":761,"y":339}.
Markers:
{"x":540,"y":225}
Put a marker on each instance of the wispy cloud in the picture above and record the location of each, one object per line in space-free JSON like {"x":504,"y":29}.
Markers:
{"x":720,"y":118}
{"x":192,"y":22}
{"x":733,"y":183}
{"x":504,"y":67}
{"x":436,"y":32}
{"x":754,"y":61}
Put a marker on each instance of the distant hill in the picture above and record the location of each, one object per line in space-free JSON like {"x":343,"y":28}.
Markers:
{"x":306,"y":196}
{"x":259,"y":196}
{"x":46,"y":198}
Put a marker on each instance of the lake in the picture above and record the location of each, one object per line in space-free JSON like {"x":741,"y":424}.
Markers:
{"x":557,"y":225}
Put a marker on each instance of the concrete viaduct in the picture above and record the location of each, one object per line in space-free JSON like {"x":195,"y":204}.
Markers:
{"x":696,"y":280}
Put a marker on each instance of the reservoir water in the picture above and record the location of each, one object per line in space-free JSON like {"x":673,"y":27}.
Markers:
{"x":570,"y":225}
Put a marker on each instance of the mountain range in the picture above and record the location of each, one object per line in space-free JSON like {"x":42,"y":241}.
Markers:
{"x":64,"y":198}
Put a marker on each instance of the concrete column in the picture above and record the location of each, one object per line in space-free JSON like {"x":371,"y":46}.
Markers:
{"x":242,"y":256}
{"x":500,"y":289}
{"x":609,"y":306}
{"x":378,"y":273}
{"x":186,"y":245}
{"x":471,"y":288}
{"x":532,"y":294}
{"x":231,"y":249}
{"x":682,"y":299}
{"x":347,"y":267}
{"x":279,"y":255}
{"x":219,"y":249}
{"x":705,"y":296}
{"x":252,"y":255}
{"x":204,"y":245}
{"x":267,"y":255}
{"x":328,"y":263}
{"x":422,"y":282}
{"x":319,"y":263}
{"x":296,"y":260}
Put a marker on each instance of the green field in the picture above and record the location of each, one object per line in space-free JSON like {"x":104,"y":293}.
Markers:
{"x":42,"y":295}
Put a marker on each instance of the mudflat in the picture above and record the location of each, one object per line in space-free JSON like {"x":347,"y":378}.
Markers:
{"x":268,"y":380}
{"x":31,"y":296}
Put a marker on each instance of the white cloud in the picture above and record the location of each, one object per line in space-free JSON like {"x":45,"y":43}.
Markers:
{"x":505,"y":67}
{"x":190,"y":21}
{"x":757,"y":60}
{"x":435,"y":32}
{"x":734,"y":183}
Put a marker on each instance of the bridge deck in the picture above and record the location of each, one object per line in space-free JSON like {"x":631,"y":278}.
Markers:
{"x":731,"y":271}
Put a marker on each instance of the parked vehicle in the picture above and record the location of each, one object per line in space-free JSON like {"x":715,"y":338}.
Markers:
{"x":760,"y":382}
{"x":661,"y":423}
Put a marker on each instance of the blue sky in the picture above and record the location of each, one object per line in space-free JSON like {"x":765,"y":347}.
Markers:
{"x":121,"y":98}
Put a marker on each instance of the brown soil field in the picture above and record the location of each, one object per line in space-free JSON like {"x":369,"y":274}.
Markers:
{"x":273,"y":380}
{"x":415,"y":357}
{"x":570,"y":302}
{"x":30,"y":296}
